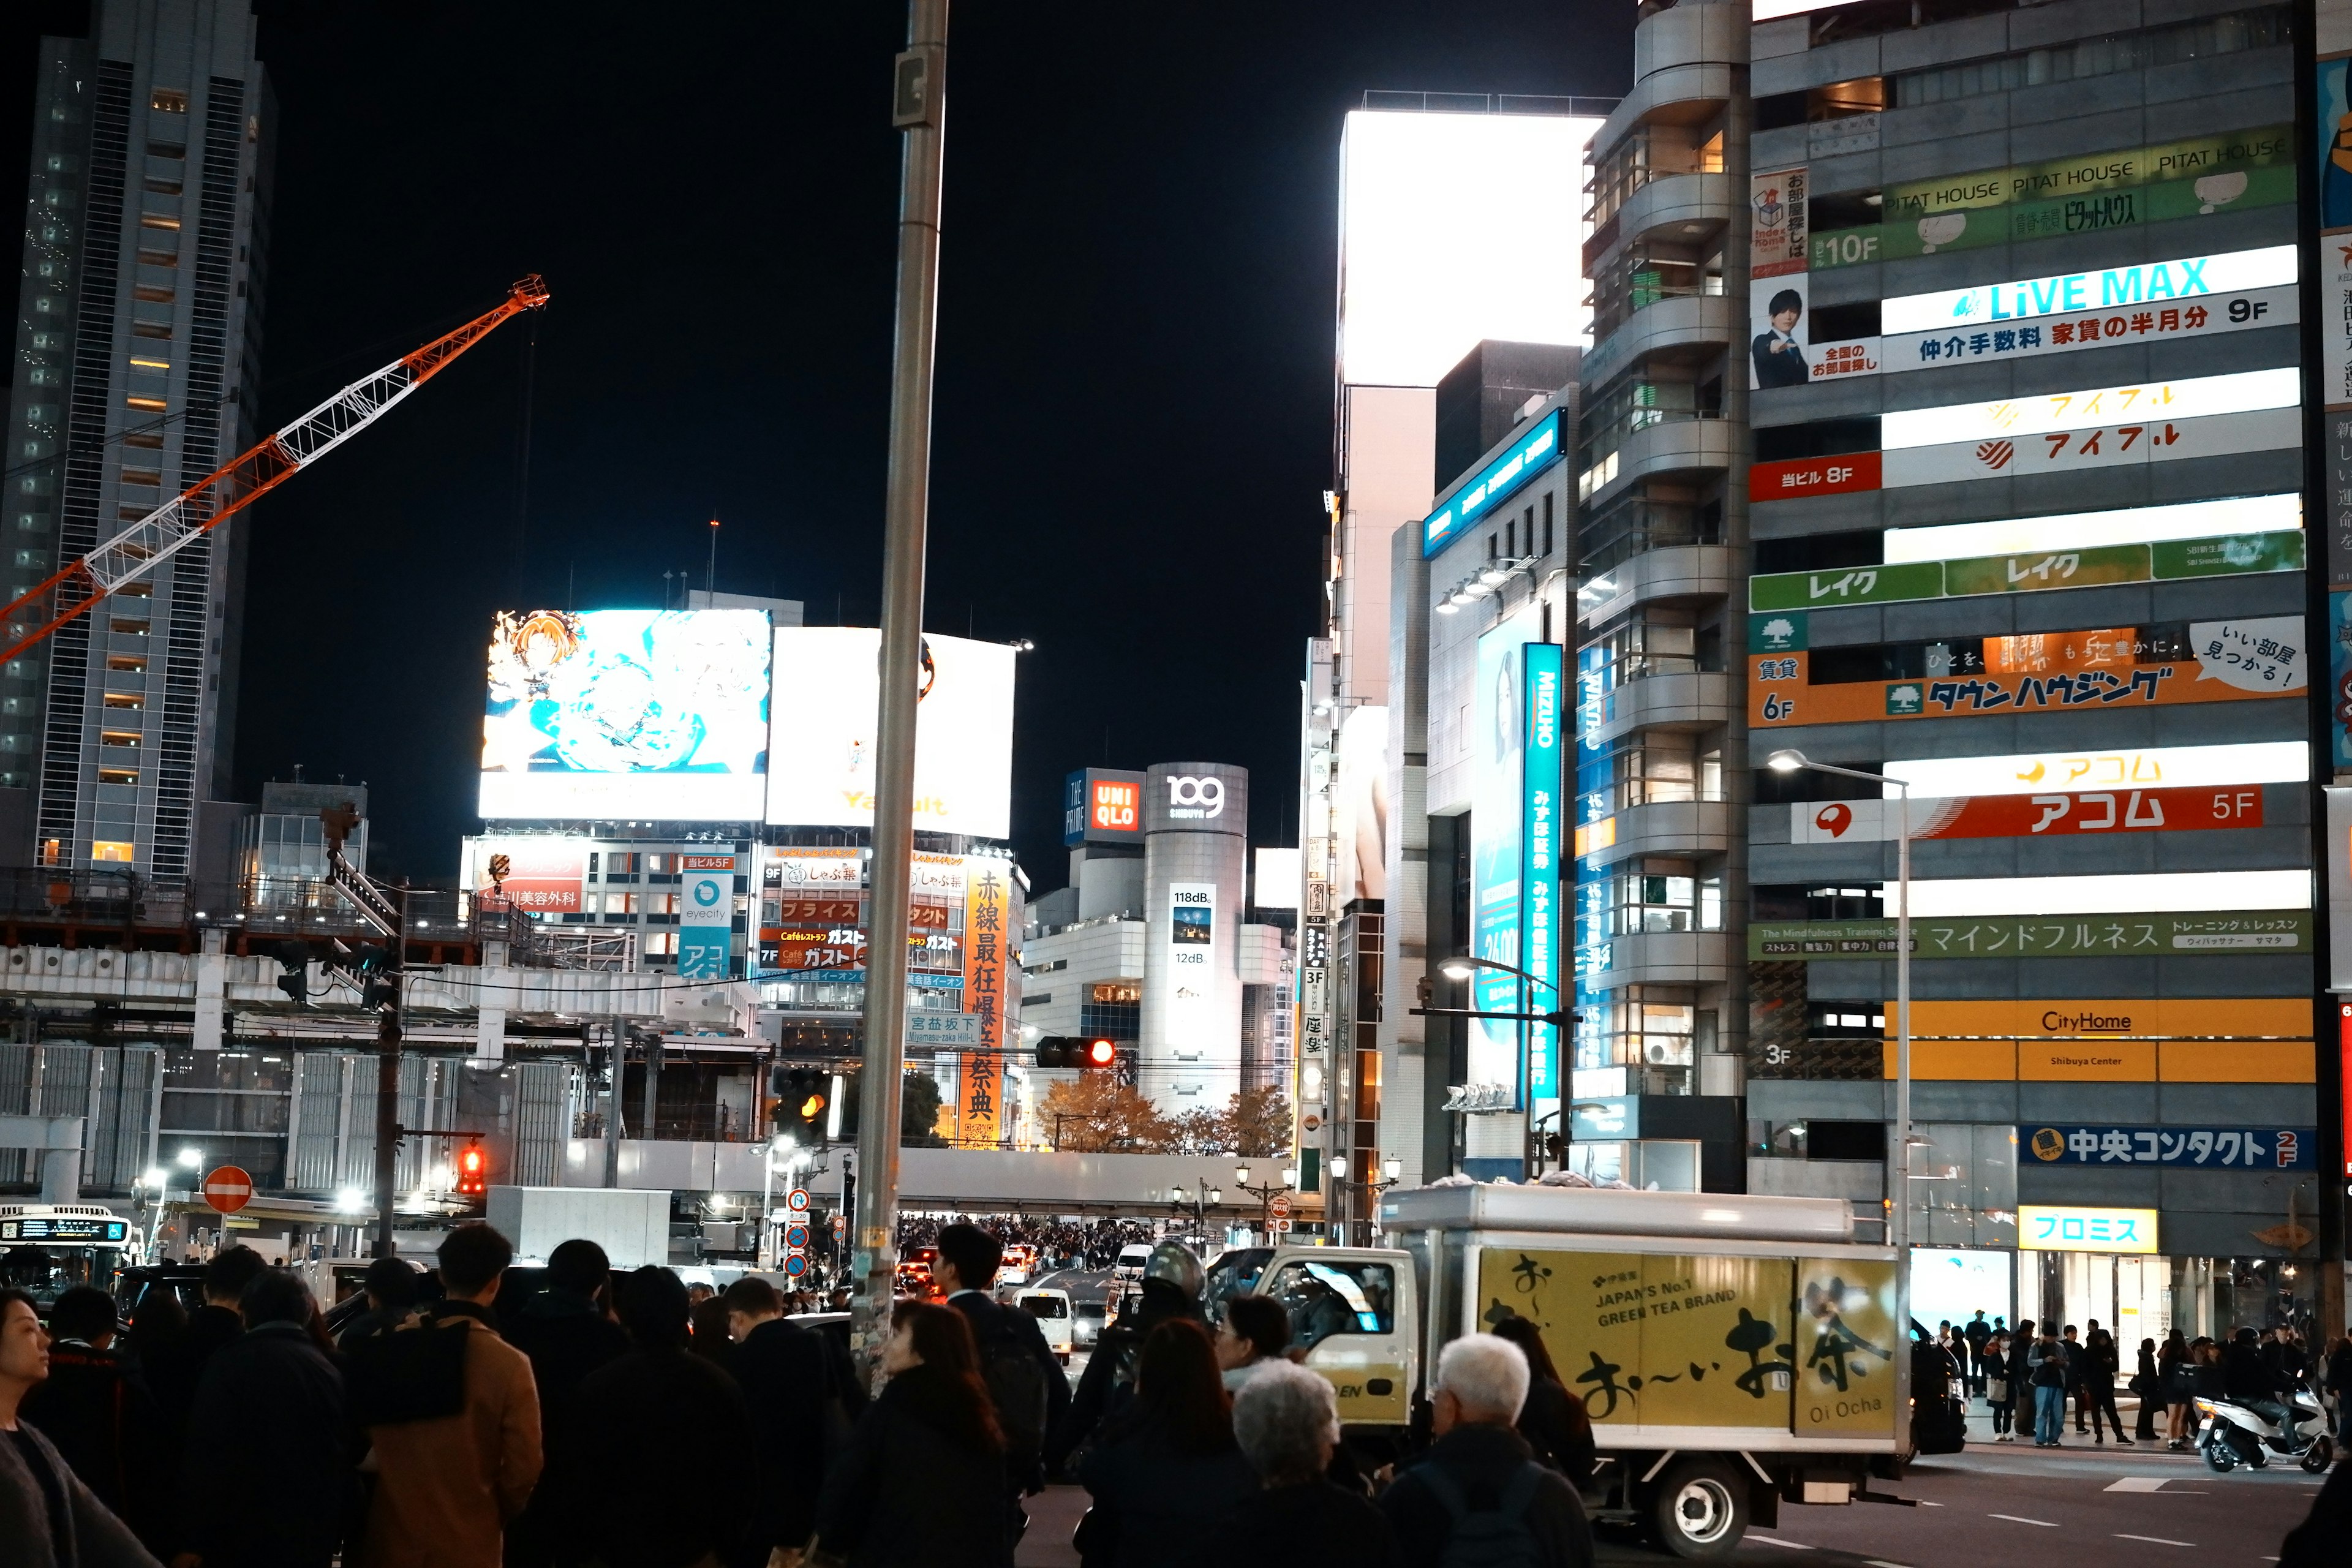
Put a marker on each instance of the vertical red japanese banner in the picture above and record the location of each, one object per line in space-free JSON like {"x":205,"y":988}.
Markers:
{"x":979,"y":1078}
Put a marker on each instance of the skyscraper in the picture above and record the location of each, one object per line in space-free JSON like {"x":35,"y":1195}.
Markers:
{"x":136,"y":373}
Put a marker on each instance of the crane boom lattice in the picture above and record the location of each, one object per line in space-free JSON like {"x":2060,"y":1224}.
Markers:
{"x":139,"y":549}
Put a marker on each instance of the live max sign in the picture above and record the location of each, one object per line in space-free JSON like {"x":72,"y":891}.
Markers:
{"x":1846,"y":472}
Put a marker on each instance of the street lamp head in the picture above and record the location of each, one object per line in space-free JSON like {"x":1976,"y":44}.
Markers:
{"x":191,"y":1158}
{"x":1241,"y":1176}
{"x":1176,"y":1195}
{"x":1216,"y":1195}
{"x":1458,"y":969}
{"x":1290,"y":1178}
{"x":1788,"y":761}
{"x":1392,"y":1168}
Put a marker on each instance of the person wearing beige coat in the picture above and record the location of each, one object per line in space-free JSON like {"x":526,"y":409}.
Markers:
{"x":448,"y":1487}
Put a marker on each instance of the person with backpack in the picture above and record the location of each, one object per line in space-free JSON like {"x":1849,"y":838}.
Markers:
{"x":1031,"y":1391}
{"x":1171,"y":1289}
{"x":1977,"y":1335}
{"x":568,"y":1332}
{"x":1165,"y":1463}
{"x":2046,"y":1363}
{"x":453,"y":1470}
{"x":1476,"y":1497}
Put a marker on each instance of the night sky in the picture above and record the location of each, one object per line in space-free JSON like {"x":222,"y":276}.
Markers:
{"x":1132,"y":430}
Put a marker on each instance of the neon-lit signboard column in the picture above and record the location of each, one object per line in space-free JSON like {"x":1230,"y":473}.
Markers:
{"x":1540,"y":826}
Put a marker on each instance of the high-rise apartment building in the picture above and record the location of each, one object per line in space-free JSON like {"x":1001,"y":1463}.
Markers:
{"x":136,"y":372}
{"x":1944,"y":422}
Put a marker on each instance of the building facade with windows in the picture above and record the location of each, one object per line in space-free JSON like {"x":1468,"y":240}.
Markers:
{"x":1944,"y":422}
{"x":138,"y":356}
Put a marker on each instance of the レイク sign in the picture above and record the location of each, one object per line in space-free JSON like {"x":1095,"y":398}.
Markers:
{"x":2045,"y":1228}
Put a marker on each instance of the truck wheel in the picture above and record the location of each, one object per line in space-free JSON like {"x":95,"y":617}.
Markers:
{"x":1698,"y":1508}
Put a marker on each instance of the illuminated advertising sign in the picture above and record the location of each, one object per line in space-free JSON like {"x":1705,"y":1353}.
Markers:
{"x":2231,"y":172}
{"x":1191,"y":1014}
{"x":2156,"y":282}
{"x":2031,"y":571}
{"x":2095,"y":530}
{"x":2202,"y":661}
{"x":2014,"y":419}
{"x":2177,"y":1018}
{"x":2332,"y":179}
{"x":1536,"y":448}
{"x":1541,"y":816}
{"x":2211,"y":1148}
{"x":706,"y":933}
{"x":1953,"y":897}
{"x":2150,"y":767}
{"x":544,"y":874}
{"x":1416,"y":292}
{"x":2214,"y":934}
{"x":823,"y":716}
{"x":2046,"y":1227}
{"x":1100,"y":805}
{"x":1498,"y":711}
{"x":980,"y":1071}
{"x":645,"y":714}
{"x":2055,"y":815}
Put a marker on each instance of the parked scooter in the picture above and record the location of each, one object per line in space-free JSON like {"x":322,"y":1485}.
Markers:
{"x":2229,"y":1434}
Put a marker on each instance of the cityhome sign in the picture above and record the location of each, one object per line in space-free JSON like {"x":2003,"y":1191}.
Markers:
{"x":1191,"y":799}
{"x":2044,"y":1228}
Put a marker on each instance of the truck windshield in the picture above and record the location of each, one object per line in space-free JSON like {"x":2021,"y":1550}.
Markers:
{"x":1234,"y":1274}
{"x":47,"y":1272}
{"x":1346,"y":1296}
{"x":1045,"y":1306}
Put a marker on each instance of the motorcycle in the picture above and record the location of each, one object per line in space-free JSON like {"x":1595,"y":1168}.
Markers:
{"x":2229,"y":1434}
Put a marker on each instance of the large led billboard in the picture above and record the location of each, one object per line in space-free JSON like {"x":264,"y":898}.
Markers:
{"x":822,"y":723}
{"x":1454,"y":228}
{"x":653,"y":715}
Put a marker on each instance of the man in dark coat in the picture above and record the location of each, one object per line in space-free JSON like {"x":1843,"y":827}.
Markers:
{"x":96,"y":1409}
{"x":665,"y":1441}
{"x":567,"y":1333}
{"x":1023,"y":1376}
{"x":787,"y":1380}
{"x":1479,"y":1465}
{"x":211,"y":1329}
{"x":270,"y":1404}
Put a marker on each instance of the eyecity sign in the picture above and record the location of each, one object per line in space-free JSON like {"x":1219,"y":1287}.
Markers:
{"x":1537,"y":449}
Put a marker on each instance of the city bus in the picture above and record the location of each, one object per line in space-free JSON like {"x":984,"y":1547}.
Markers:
{"x":48,"y":1248}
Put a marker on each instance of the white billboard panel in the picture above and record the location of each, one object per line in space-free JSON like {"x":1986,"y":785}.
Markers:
{"x":2041,"y":413}
{"x":822,"y":721}
{"x":2033,"y":773}
{"x":1454,"y":228}
{"x":2090,"y":530}
{"x":636,"y":714}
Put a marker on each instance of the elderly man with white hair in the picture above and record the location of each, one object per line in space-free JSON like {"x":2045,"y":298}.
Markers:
{"x":1480,"y":1478}
{"x":1287,"y":1423}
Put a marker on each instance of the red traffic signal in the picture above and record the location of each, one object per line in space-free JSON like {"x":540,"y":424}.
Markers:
{"x":472,"y":1171}
{"x":1099,"y":1054}
{"x":1084,"y":1053}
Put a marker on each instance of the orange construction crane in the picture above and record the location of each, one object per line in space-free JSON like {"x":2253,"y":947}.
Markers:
{"x":213,"y":500}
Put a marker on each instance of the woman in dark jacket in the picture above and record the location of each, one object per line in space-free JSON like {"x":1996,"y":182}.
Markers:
{"x":2148,"y":1385}
{"x":1167,"y":1462}
{"x":1552,"y":1420}
{"x":2172,"y":1379}
{"x":922,"y":1480}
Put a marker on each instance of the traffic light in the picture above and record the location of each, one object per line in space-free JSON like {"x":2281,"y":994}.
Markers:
{"x":472,"y":1171}
{"x":1084,"y":1053}
{"x":801,"y":1096}
{"x":296,"y":981}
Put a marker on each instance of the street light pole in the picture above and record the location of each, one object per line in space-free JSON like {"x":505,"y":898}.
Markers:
{"x":1898,"y":1212}
{"x":919,"y":109}
{"x":1463,"y":967}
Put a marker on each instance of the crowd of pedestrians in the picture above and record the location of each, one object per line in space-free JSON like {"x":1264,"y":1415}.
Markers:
{"x":2030,"y":1378}
{"x":610,"y":1420}
{"x":1091,"y":1244}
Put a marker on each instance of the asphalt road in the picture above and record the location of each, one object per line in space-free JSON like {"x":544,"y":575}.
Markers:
{"x":1990,"y":1507}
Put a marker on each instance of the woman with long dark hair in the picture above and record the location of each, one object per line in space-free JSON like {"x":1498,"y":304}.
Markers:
{"x":922,"y":1480}
{"x":1552,"y":1420}
{"x":1167,"y":1461}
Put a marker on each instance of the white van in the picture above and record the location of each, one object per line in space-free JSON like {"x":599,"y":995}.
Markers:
{"x":1054,"y":1314}
{"x":1131,"y":1260}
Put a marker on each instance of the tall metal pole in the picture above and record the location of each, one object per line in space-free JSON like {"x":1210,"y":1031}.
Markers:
{"x":387,"y":1083}
{"x":1898,"y":1218}
{"x":918,"y":109}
